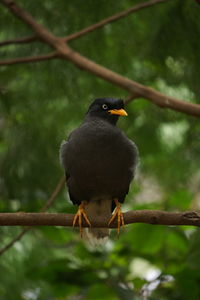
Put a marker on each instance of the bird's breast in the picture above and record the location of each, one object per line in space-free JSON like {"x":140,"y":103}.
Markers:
{"x":100,"y":151}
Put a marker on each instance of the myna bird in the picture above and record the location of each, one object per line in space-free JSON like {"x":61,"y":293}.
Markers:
{"x":99,"y":162}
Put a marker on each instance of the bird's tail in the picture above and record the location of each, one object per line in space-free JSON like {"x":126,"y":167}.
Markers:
{"x":97,"y":208}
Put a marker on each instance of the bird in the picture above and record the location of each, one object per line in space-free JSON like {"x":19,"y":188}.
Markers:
{"x":99,"y":161}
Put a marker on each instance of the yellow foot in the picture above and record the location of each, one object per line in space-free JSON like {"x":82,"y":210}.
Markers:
{"x":80,"y":215}
{"x":117,"y":213}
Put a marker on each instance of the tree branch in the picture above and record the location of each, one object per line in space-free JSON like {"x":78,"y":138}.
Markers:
{"x":111,"y":19}
{"x":84,"y":63}
{"x":127,"y":84}
{"x":154,"y":217}
{"x":30,"y":59}
{"x":23,"y":40}
{"x":49,"y":203}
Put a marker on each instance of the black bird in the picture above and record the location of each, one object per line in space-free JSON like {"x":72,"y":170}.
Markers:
{"x":99,"y":162}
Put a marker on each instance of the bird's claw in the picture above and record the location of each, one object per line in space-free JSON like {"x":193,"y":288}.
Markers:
{"x":80,"y":215}
{"x":117,"y":213}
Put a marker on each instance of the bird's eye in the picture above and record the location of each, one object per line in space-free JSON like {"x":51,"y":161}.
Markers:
{"x":104,"y":106}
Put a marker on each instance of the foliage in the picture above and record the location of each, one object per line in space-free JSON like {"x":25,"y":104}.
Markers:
{"x":41,"y":103}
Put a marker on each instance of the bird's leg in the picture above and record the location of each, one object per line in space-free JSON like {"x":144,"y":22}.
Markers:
{"x":117,"y":213}
{"x":80,"y":215}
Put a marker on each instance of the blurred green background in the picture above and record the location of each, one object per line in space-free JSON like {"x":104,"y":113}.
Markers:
{"x":40,"y":103}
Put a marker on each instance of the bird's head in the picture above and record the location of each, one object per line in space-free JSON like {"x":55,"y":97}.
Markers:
{"x":107,"y":108}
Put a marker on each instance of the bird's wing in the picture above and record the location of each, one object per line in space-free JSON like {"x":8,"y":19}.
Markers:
{"x":135,"y":158}
{"x":63,"y":158}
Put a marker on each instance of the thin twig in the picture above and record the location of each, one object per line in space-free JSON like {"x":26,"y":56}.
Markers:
{"x":51,"y":199}
{"x":154,"y":217}
{"x":23,"y":40}
{"x":111,"y":19}
{"x":44,"y":208}
{"x":16,"y":239}
{"x":30,"y":59}
{"x":130,"y":98}
{"x":39,"y":30}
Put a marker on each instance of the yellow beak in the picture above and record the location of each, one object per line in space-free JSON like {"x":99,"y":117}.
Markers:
{"x":120,"y":112}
